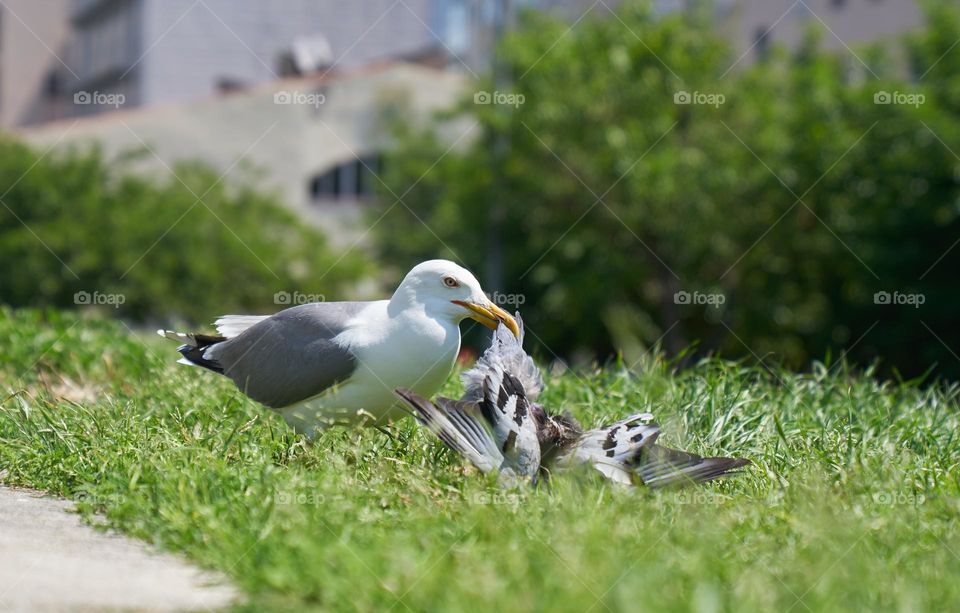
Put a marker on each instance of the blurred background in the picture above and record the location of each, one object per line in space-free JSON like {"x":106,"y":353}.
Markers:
{"x":769,"y":180}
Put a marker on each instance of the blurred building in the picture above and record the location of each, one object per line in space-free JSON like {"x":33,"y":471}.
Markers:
{"x":314,"y":140}
{"x":59,"y":55}
{"x":33,"y":34}
{"x":159,"y":51}
{"x":196,"y":79}
{"x":754,"y":26}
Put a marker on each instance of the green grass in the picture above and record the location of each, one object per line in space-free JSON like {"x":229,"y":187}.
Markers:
{"x":852,"y":502}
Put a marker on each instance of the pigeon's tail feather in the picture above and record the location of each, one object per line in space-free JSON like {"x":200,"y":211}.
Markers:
{"x":453,"y":424}
{"x":194,"y":348}
{"x":660,"y":466}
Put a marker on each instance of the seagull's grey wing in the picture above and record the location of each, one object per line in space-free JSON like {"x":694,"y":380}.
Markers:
{"x":505,"y":354}
{"x":291,"y":356}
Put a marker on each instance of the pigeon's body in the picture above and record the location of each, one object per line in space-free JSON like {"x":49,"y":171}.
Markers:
{"x":505,"y":355}
{"x":506,"y":408}
{"x":499,"y":426}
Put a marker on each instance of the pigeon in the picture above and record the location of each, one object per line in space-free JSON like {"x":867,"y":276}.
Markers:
{"x":498,"y":426}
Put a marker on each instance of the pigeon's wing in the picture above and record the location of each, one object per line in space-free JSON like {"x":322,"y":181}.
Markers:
{"x":613,"y":449}
{"x":627,"y":452}
{"x":505,"y":407}
{"x":660,"y":466}
{"x":454,"y":424}
{"x":466,"y":418}
{"x":505,"y":354}
{"x":620,"y":441}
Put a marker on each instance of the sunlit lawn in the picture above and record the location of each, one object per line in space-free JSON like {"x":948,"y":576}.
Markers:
{"x":852,"y":502}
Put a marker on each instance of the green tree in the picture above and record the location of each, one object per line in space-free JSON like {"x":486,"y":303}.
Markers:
{"x":794,"y":197}
{"x":72,"y":223}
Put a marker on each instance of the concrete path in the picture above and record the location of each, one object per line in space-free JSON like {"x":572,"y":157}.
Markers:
{"x":51,"y":561}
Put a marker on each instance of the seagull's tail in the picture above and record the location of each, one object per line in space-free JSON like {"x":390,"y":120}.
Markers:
{"x":660,"y":466}
{"x":194,"y":347}
{"x":453,"y":423}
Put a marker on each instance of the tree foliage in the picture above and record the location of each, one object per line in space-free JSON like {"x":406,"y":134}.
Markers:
{"x":76,"y":230}
{"x":793,"y":202}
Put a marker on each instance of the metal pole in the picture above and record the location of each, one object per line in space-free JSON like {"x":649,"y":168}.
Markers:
{"x":503,"y":19}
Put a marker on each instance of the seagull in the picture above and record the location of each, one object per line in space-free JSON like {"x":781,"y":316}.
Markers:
{"x":491,"y":427}
{"x":327,"y":363}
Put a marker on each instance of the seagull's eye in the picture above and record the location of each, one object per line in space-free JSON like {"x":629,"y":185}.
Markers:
{"x":451,"y":282}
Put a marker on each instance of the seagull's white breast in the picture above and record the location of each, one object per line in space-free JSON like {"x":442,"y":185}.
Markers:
{"x":409,"y":350}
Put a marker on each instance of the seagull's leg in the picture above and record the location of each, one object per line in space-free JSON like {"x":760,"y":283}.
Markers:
{"x":305,"y":422}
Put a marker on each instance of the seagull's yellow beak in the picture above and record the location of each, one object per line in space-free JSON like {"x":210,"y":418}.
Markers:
{"x":490,"y":315}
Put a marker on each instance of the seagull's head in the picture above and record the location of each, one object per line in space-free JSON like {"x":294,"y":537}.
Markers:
{"x":451,"y":291}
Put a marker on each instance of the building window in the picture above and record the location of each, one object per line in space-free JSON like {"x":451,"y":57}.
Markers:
{"x":452,"y":20}
{"x":761,"y":41}
{"x":350,"y":181}
{"x":53,"y":85}
{"x":104,"y":42}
